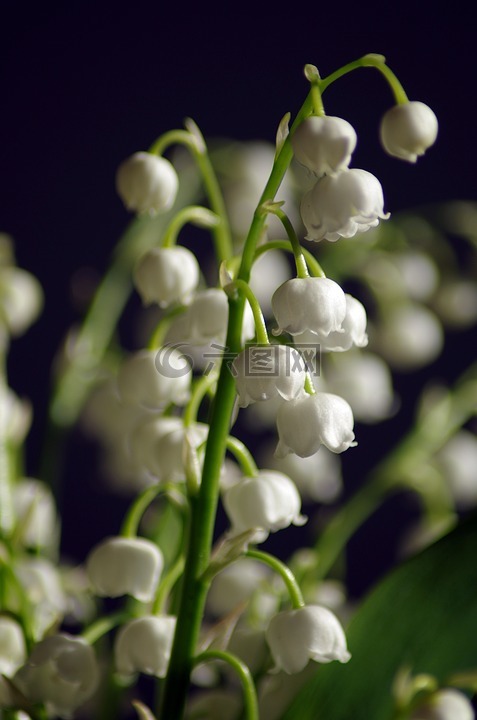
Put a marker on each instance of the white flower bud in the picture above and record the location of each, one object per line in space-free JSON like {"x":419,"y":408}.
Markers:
{"x":269,"y":501}
{"x":317,"y":477}
{"x":309,"y":633}
{"x":43,"y":587}
{"x":144,"y":645}
{"x":263,"y":372}
{"x":166,"y":275}
{"x":158,"y":446}
{"x":324,"y":144}
{"x":12,"y":646}
{"x":353,"y":329}
{"x":35,"y":511}
{"x":147,"y":183}
{"x":458,"y":459}
{"x":155,"y":378}
{"x":235,"y":585}
{"x":62,"y":672}
{"x":125,"y":566}
{"x":314,"y":304}
{"x":409,"y":336}
{"x":21,"y":299}
{"x":343,"y":205}
{"x":408,"y":130}
{"x":445,"y":705}
{"x":310,"y":421}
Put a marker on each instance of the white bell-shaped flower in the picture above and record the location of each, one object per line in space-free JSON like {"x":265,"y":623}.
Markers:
{"x":144,"y":645}
{"x":37,"y":524}
{"x":310,"y":421}
{"x":409,"y":336}
{"x":408,"y":130}
{"x":12,"y":646}
{"x":269,"y":271}
{"x":21,"y":299}
{"x":166,"y":275}
{"x":315,"y":304}
{"x":324,"y":144}
{"x":125,"y":566}
{"x":446,"y":704}
{"x":263,"y":372}
{"x":235,"y":584}
{"x":147,"y":183}
{"x":309,"y":633}
{"x":270,"y":501}
{"x":205,"y":319}
{"x":155,"y":378}
{"x":42,"y":583}
{"x":158,"y":446}
{"x":353,"y":328}
{"x":343,"y":205}
{"x":458,"y":460}
{"x":62,"y":672}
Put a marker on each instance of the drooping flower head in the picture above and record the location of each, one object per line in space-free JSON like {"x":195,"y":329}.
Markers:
{"x":147,"y":183}
{"x":315,"y":304}
{"x":408,"y":130}
{"x":324,"y":144}
{"x":166,"y":275}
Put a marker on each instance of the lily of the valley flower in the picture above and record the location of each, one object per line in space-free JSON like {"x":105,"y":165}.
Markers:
{"x":147,"y":183}
{"x":144,"y":645}
{"x":343,"y":205}
{"x":166,"y":275}
{"x":263,"y":372}
{"x":125,"y":566}
{"x":353,"y":328}
{"x":309,"y":633}
{"x":155,"y":378}
{"x":408,"y":130}
{"x":310,"y":421}
{"x":314,"y":303}
{"x":12,"y":646}
{"x":268,"y":502}
{"x":324,"y":144}
{"x":62,"y":672}
{"x":446,"y":704}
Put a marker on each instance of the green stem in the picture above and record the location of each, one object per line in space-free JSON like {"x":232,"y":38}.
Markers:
{"x":201,"y":388}
{"x":285,"y":573}
{"x":204,"y":506}
{"x":104,"y":625}
{"x":243,"y":455}
{"x":194,"y":214}
{"x":137,"y":509}
{"x":194,"y":141}
{"x":370,"y":60}
{"x":249,"y":692}
{"x":300,"y":262}
{"x":312,"y":262}
{"x":260,"y":325}
{"x":166,"y":585}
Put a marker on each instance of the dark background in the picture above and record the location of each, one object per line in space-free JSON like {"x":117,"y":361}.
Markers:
{"x":83,"y":85}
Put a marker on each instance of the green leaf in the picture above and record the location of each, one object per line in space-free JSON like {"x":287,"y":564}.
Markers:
{"x":422,"y":615}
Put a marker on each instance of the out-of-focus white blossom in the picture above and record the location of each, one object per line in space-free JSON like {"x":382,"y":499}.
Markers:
{"x":144,"y":645}
{"x":277,"y":690}
{"x":409,"y":336}
{"x":309,"y":633}
{"x":446,"y":704}
{"x":158,"y":446}
{"x":248,"y":644}
{"x":269,"y":271}
{"x":42,"y":583}
{"x":458,"y":460}
{"x":353,"y":329}
{"x":62,"y":672}
{"x":235,"y":585}
{"x":125,"y":566}
{"x":263,"y":372}
{"x":365,"y":381}
{"x":408,"y":130}
{"x":155,"y":378}
{"x":166,"y":275}
{"x":21,"y":299}
{"x":37,"y":524}
{"x":12,"y":646}
{"x":147,"y":183}
{"x":215,"y":705}
{"x":317,"y":477}
{"x":419,"y":274}
{"x":343,"y":205}
{"x":15,"y":416}
{"x":310,"y":421}
{"x":314,"y":304}
{"x":456,"y":303}
{"x":269,"y":501}
{"x":324,"y":144}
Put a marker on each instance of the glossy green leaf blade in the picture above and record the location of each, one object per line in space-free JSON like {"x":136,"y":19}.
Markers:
{"x":423,"y":615}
